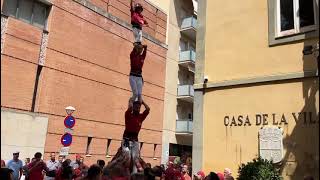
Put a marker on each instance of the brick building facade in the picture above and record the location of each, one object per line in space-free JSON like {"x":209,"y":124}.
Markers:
{"x":80,"y":58}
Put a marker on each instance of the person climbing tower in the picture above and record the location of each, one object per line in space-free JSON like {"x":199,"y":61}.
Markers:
{"x":137,"y":57}
{"x":137,"y":21}
{"x":128,"y":154}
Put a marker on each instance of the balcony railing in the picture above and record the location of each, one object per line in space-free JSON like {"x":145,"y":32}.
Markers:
{"x":184,"y":126}
{"x":189,"y":22}
{"x":189,"y":28}
{"x":187,"y":56}
{"x":185,"y":90}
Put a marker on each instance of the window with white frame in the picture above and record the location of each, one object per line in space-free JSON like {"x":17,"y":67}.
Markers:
{"x":295,"y":16}
{"x":34,"y":12}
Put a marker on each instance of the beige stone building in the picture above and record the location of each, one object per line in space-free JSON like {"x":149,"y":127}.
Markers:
{"x":256,"y":93}
{"x":181,"y":57}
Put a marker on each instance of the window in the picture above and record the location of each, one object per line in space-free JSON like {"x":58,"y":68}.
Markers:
{"x":141,"y":145}
{"x":292,"y":20}
{"x":88,"y":145}
{"x":108,"y":148}
{"x":154,"y":151}
{"x":183,"y":45}
{"x":34,"y":12}
{"x":177,"y":149}
{"x":295,"y":16}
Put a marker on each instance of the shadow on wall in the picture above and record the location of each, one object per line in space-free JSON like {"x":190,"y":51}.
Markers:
{"x":302,"y":145}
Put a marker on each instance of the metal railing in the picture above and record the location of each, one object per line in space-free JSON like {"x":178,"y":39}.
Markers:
{"x":185,"y":90}
{"x":184,"y":126}
{"x":189,"y":22}
{"x":187,"y":56}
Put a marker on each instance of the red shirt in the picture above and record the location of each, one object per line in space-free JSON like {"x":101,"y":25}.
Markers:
{"x":137,"y":20}
{"x":120,"y":178}
{"x":58,"y":174}
{"x":173,"y":174}
{"x":36,"y":171}
{"x":169,"y":173}
{"x":133,"y":124}
{"x":137,"y":60}
{"x":69,"y":173}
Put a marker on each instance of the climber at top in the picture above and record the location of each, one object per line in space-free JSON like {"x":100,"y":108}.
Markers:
{"x":137,"y":21}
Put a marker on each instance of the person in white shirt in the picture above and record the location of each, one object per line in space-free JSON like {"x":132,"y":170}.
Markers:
{"x":53,"y":166}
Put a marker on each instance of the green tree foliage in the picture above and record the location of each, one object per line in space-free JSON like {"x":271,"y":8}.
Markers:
{"x":258,"y":169}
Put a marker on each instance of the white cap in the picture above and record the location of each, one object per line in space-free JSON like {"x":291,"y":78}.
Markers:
{"x":16,"y":152}
{"x":70,"y":110}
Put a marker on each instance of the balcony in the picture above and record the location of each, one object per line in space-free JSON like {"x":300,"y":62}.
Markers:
{"x":187,"y":59}
{"x":185,"y":92}
{"x":184,"y":126}
{"x":189,"y":28}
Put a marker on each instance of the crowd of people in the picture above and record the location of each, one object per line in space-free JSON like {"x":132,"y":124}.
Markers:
{"x":37,"y":169}
{"x":65,"y":169}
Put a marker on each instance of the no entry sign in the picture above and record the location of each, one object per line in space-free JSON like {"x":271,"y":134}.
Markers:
{"x":69,"y":121}
{"x":66,"y":139}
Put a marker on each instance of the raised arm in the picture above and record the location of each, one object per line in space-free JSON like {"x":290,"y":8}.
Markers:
{"x":146,"y":106}
{"x":146,"y":111}
{"x":144,"y":50}
{"x":146,"y":22}
{"x":130,"y":105}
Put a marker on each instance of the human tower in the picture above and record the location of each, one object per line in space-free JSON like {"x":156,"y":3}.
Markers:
{"x":128,"y":155}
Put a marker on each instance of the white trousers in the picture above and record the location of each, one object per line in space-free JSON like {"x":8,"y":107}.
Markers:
{"x":136,"y":84}
{"x":137,"y":34}
{"x":132,"y":148}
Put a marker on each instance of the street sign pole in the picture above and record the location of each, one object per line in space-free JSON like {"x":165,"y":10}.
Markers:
{"x":66,"y":139}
